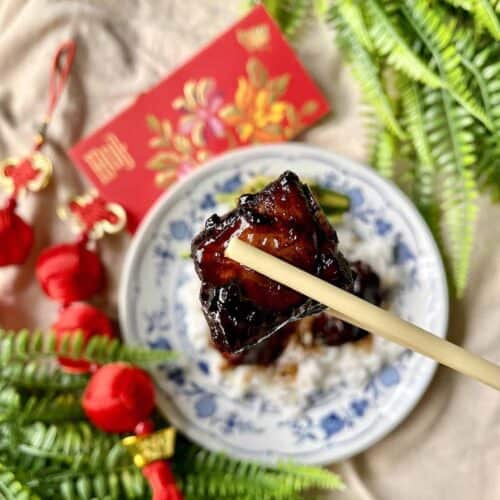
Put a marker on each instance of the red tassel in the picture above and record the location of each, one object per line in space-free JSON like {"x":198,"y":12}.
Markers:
{"x":118,"y":397}
{"x":162,"y":481}
{"x":87,"y":319}
{"x":70,"y":272}
{"x":16,"y":237}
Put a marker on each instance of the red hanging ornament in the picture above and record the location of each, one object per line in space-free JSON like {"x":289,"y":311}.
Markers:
{"x":30,"y":173}
{"x":87,"y":319}
{"x":162,"y":481}
{"x":70,"y":272}
{"x":119,"y":397}
{"x":16,"y":237}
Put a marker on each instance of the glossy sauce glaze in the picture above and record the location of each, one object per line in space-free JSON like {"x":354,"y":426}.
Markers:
{"x":242,"y":307}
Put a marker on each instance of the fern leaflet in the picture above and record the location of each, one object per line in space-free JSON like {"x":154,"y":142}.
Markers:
{"x":204,"y":474}
{"x":463,"y":4}
{"x":25,"y":345}
{"x":384,"y":151}
{"x":485,"y":66}
{"x":122,"y":483}
{"x":39,"y":376}
{"x":366,"y":70}
{"x":53,"y":408}
{"x":425,"y":170}
{"x":391,"y":43}
{"x":436,"y":30}
{"x":352,"y":15}
{"x":11,"y":488}
{"x":486,"y":16}
{"x":448,"y":127}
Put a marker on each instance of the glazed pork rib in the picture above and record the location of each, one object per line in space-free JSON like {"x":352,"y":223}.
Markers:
{"x":242,"y":307}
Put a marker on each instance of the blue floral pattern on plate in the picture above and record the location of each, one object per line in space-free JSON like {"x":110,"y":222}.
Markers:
{"x":339,"y":422}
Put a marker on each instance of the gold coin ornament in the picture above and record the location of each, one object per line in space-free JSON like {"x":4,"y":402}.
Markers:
{"x":159,"y":445}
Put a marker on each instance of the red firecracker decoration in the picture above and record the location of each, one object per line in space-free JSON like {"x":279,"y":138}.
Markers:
{"x":120,"y":398}
{"x":16,"y":237}
{"x":90,"y":321}
{"x":70,"y":272}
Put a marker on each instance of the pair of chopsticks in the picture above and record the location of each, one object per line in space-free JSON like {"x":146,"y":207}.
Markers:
{"x":358,"y":312}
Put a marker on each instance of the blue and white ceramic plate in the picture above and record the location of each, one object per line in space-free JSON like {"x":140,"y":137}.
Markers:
{"x":339,"y":423}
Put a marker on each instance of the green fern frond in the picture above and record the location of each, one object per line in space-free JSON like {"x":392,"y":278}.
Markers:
{"x":78,"y":445}
{"x":487,"y":62}
{"x":123,"y":483}
{"x":424,"y":177}
{"x":489,"y":166}
{"x":25,"y":345}
{"x":72,"y":461}
{"x":392,"y":44}
{"x":484,"y":69}
{"x":10,"y":402}
{"x":463,"y":4}
{"x":310,"y":477}
{"x":53,"y":408}
{"x":484,"y":12}
{"x":448,"y":127}
{"x":367,"y":71}
{"x":291,"y":15}
{"x":459,"y":215}
{"x":436,"y":31}
{"x":103,"y":350}
{"x":351,"y":13}
{"x":425,"y":168}
{"x":204,"y":474}
{"x":35,"y":375}
{"x":22,"y":409}
{"x":11,"y":488}
{"x":226,"y":485}
{"x":384,"y":151}
{"x":201,"y":473}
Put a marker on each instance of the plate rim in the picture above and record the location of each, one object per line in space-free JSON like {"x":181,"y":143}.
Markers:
{"x":206,"y":439}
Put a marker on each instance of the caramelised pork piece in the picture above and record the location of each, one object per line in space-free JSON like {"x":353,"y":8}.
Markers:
{"x":267,"y":351}
{"x":328,"y":330}
{"x":242,"y":307}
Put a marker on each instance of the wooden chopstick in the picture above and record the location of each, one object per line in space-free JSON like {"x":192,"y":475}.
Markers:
{"x":365,"y":315}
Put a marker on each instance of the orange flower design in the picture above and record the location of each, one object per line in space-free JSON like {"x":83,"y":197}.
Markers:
{"x":258,"y":114}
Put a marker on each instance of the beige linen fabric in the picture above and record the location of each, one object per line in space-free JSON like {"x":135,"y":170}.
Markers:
{"x":449,"y":448}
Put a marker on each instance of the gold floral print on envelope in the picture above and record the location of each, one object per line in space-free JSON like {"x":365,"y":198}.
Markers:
{"x":255,"y":38}
{"x":176,"y":155}
{"x":258,"y":113}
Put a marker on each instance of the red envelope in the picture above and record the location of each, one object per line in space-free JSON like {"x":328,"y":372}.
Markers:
{"x":245,"y":87}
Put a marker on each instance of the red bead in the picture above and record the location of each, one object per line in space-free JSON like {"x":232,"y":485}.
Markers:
{"x":118,"y":397}
{"x":70,"y":272}
{"x":162,"y":481}
{"x":16,"y":237}
{"x":90,"y":321}
{"x":144,"y":428}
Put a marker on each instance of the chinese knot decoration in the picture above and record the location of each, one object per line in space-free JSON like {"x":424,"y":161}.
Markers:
{"x":120,"y":398}
{"x":71,"y":273}
{"x":31,"y":173}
